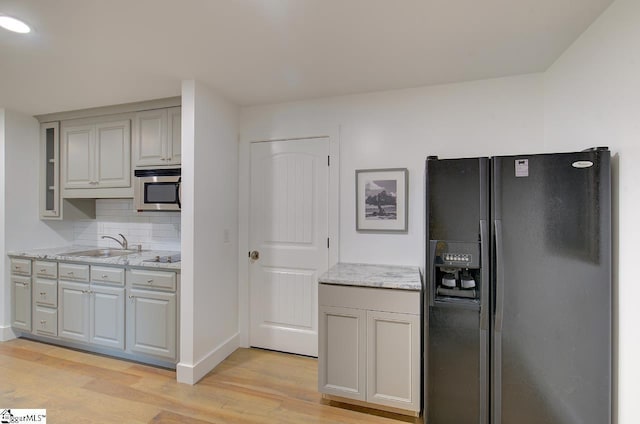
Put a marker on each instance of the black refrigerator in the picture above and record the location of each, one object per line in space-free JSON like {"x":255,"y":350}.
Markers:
{"x":518,"y":289}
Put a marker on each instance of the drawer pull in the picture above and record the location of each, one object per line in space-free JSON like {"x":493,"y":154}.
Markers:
{"x":43,"y":294}
{"x":43,"y":270}
{"x":70,"y":273}
{"x":43,"y":322}
{"x":150,"y":281}
{"x":105,"y":276}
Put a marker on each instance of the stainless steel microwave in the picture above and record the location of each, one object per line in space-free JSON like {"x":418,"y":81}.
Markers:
{"x":157,"y":189}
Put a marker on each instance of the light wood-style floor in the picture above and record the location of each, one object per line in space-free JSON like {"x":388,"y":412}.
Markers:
{"x":251,"y":386}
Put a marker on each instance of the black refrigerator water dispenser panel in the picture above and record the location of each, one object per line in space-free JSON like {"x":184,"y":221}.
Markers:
{"x":457,"y":254}
{"x":456,"y":273}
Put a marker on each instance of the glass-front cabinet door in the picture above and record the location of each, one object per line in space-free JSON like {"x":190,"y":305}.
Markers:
{"x":50,"y":164}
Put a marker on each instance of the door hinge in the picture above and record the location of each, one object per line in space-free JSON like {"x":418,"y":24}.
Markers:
{"x":327,"y":242}
{"x":328,"y":160}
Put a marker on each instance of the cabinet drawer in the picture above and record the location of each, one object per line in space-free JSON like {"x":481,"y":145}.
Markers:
{"x":21,"y":266}
{"x":46,"y":321}
{"x":107,"y":275}
{"x":375,"y":299}
{"x":45,"y":292}
{"x":152,"y":279}
{"x":74,"y":272}
{"x":45,"y":269}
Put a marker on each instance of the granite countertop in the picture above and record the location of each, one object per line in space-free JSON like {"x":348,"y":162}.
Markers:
{"x":134,"y":259}
{"x":367,"y":275}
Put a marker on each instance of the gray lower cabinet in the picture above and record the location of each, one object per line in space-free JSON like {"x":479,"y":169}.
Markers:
{"x":91,"y":313}
{"x":45,"y":298}
{"x":151,"y":323}
{"x":393,"y":359}
{"x":21,"y":302}
{"x":106,"y":316}
{"x":369,"y":346}
{"x":342,"y":356}
{"x":152,"y":313}
{"x":132,"y":313}
{"x":21,"y":294}
{"x":73,"y":319}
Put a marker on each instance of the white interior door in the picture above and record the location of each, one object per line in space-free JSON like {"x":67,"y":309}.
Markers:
{"x":289,"y":230}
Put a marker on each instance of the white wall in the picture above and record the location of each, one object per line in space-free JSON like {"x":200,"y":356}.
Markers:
{"x":5,"y":292}
{"x":19,"y":203}
{"x":592,"y":98}
{"x":399,"y":129}
{"x":209,"y":290}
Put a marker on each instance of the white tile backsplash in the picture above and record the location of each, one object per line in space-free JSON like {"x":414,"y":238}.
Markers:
{"x":154,"y":230}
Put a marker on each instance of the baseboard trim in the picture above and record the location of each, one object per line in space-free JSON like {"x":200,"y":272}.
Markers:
{"x":369,"y":405}
{"x":191,"y":374}
{"x":6,"y":334}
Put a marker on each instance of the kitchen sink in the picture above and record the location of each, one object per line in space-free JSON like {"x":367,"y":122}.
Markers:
{"x":102,"y":253}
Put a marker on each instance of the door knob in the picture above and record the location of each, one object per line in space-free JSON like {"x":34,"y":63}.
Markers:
{"x":254,"y":255}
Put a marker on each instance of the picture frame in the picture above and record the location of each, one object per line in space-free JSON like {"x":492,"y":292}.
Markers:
{"x":381,"y":200}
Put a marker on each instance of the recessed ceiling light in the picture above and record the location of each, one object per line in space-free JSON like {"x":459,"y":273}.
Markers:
{"x":13,"y":24}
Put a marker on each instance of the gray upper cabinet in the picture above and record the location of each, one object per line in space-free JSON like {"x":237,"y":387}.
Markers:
{"x":52,"y":205}
{"x":96,"y":157}
{"x":157,"y":137}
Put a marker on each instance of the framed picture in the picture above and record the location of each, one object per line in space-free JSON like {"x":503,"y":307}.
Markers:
{"x":381,"y":200}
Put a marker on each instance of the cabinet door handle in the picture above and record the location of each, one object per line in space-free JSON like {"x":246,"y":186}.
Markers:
{"x":43,"y":322}
{"x":24,"y":284}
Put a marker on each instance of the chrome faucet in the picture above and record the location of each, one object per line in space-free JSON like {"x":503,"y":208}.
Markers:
{"x":124,"y":243}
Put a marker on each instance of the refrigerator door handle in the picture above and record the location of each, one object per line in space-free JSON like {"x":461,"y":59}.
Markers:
{"x":484,"y":283}
{"x":432,"y":265}
{"x":499,"y":272}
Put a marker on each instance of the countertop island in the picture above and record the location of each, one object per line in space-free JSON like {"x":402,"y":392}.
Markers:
{"x":369,"y":323}
{"x":378,"y":276}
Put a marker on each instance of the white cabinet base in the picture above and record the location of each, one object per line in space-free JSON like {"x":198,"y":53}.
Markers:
{"x":369,"y":347}
{"x":393,"y":368}
{"x":341,"y":363}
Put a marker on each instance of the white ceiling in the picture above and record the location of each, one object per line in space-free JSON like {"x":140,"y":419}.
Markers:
{"x":87,"y":53}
